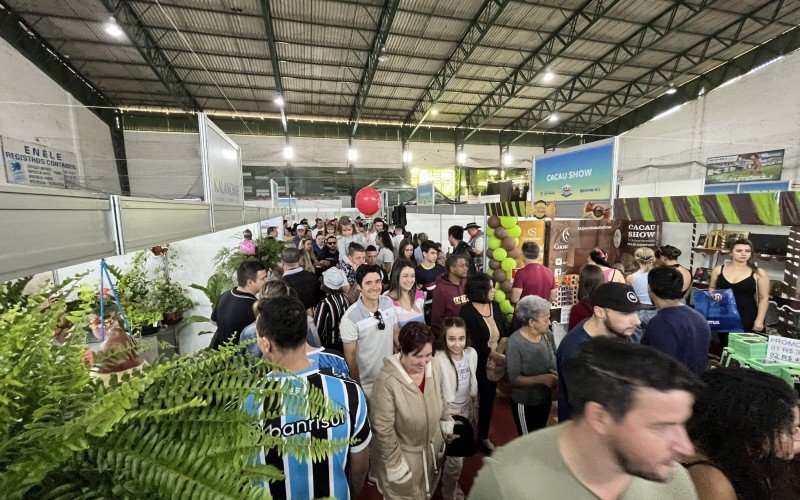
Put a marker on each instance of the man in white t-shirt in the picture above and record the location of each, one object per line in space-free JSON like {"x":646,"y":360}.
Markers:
{"x":368,"y":329}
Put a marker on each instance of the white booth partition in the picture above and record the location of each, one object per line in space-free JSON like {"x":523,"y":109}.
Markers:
{"x":46,"y":228}
{"x":144,"y":222}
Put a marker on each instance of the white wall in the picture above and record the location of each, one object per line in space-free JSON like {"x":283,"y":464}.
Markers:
{"x":757,"y":112}
{"x":164,"y":165}
{"x":34,"y":108}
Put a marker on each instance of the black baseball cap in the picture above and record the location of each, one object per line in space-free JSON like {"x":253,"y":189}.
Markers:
{"x":472,"y":225}
{"x":617,"y":297}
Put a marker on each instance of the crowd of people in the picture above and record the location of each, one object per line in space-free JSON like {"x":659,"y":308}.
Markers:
{"x":407,"y":339}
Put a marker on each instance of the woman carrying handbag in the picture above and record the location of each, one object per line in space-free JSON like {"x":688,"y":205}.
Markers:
{"x":487,"y":332}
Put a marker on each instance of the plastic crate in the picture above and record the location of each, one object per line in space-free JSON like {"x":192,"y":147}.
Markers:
{"x":735,"y":360}
{"x":791,"y":374}
{"x":750,"y":345}
{"x":771,"y":368}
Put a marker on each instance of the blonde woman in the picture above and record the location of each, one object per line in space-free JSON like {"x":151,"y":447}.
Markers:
{"x":307,"y":258}
{"x":645,"y":259}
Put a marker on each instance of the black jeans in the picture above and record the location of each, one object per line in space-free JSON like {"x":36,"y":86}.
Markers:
{"x":486,"y":393}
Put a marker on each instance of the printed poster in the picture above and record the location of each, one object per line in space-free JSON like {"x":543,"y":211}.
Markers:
{"x":745,"y":167}
{"x":38,"y":165}
{"x":425,"y":195}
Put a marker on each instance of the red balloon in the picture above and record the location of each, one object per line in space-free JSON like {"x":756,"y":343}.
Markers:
{"x":368,"y":201}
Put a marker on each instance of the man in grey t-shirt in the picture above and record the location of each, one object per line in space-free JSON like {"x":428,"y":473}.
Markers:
{"x":625,"y":439}
{"x":368,"y":328}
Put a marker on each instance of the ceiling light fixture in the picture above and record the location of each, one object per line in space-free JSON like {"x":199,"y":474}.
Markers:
{"x":407,"y":156}
{"x":113,"y":29}
{"x":507,"y":159}
{"x":671,"y":90}
{"x":279,"y":101}
{"x":434,"y":111}
{"x":549,"y":76}
{"x":461,"y":158}
{"x":553,"y":118}
{"x":383,"y":57}
{"x":352,"y":155}
{"x":288,"y":152}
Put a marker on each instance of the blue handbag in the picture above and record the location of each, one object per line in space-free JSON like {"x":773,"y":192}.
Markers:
{"x":722,"y":315}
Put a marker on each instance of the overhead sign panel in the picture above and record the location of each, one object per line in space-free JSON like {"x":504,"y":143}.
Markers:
{"x":581,"y":173}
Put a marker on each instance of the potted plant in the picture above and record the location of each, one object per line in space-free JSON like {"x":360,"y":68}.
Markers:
{"x":171,"y":299}
{"x":165,"y":294}
{"x":176,"y":428}
{"x":268,"y":251}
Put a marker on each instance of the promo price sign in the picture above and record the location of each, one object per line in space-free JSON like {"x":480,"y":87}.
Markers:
{"x":783,"y":350}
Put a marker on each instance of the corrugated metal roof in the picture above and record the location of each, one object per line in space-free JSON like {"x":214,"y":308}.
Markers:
{"x":219,"y":48}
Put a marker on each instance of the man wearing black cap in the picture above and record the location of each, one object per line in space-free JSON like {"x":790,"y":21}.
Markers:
{"x":615,"y":314}
{"x":475,"y":242}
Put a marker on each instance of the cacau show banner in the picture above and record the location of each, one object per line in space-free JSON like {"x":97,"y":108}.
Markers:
{"x":582,"y":173}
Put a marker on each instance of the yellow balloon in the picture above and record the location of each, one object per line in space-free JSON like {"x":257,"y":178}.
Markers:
{"x":499,"y":254}
{"x":508,"y":264}
{"x":514,"y":231}
{"x":499,"y":296}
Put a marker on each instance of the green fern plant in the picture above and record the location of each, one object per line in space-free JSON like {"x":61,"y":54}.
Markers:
{"x":11,"y":292}
{"x":172,"y":429}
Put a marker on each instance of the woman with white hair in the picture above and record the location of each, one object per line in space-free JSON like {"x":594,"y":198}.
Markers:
{"x":531,"y":362}
{"x":646,"y":259}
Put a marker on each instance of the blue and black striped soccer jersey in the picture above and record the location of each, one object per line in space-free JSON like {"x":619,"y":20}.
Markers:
{"x":327,"y":478}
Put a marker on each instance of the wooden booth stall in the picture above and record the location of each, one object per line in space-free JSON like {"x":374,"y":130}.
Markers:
{"x":771,"y":219}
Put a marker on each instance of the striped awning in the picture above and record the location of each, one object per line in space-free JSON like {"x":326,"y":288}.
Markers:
{"x":747,"y":208}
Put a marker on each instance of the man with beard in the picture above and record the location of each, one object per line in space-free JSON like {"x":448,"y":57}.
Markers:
{"x":615,"y":315}
{"x":631,"y":405}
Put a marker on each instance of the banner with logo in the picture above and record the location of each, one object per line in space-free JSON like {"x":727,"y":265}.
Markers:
{"x":745,"y":167}
{"x":425,"y":195}
{"x":532,"y":230}
{"x":581,"y":173}
{"x":31,"y":163}
{"x":634,"y":235}
{"x":571,"y":242}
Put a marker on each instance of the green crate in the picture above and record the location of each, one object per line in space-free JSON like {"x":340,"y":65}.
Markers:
{"x":749,"y":345}
{"x":771,"y":368}
{"x":791,"y":374}
{"x":735,"y":360}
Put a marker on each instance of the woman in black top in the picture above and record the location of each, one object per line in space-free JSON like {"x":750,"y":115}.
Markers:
{"x":487,"y":332}
{"x":669,"y":256}
{"x":750,"y":285}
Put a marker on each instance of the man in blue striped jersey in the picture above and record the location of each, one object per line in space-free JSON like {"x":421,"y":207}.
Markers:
{"x":281,"y":328}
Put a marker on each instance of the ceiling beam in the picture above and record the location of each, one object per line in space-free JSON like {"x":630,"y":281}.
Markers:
{"x":471,"y":40}
{"x":662,"y":26}
{"x":46,"y":58}
{"x":129,"y":21}
{"x":578,"y":23}
{"x":371,"y":66}
{"x":782,"y":44}
{"x":659,"y":77}
{"x":273,"y":55}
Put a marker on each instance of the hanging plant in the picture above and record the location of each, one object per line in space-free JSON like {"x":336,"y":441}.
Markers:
{"x":174,"y":429}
